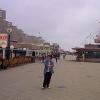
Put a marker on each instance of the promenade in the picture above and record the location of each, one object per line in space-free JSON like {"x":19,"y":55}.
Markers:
{"x":71,"y":81}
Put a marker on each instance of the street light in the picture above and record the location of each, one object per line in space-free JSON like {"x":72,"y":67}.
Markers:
{"x":3,"y":53}
{"x":9,"y":31}
{"x":11,"y":47}
{"x":24,"y":51}
{"x":3,"y":46}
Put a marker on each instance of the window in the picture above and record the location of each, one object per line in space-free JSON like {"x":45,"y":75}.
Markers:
{"x":92,"y":54}
{"x":98,"y":46}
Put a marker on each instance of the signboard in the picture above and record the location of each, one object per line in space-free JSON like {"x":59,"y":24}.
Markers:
{"x":97,"y":40}
{"x":3,"y":40}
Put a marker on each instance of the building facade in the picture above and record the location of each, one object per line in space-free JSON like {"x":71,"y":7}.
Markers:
{"x":2,"y":14}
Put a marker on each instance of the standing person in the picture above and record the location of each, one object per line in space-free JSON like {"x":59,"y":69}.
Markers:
{"x":83,"y":56}
{"x":56,"y":58}
{"x":59,"y":56}
{"x":64,"y":56}
{"x":48,"y":71}
{"x":43,"y":58}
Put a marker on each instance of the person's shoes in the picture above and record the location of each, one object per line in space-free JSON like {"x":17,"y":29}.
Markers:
{"x":43,"y":88}
{"x":49,"y":87}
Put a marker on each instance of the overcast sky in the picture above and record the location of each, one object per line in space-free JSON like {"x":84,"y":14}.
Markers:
{"x":67,"y":22}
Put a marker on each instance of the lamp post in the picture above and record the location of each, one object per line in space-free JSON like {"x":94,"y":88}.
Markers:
{"x":3,"y":53}
{"x":9,"y":31}
{"x":3,"y":47}
{"x":11,"y":47}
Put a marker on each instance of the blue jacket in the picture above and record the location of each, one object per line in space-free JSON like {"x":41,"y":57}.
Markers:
{"x":46,"y":63}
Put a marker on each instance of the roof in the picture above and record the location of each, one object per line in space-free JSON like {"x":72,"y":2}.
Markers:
{"x":86,"y":49}
{"x":27,"y":45}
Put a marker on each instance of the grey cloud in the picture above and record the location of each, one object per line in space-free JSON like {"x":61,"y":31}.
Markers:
{"x":62,"y":21}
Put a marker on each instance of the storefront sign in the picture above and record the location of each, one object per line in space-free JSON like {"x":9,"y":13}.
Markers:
{"x":97,"y":40}
{"x":3,"y":40}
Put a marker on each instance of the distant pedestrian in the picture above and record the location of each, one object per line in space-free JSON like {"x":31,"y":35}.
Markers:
{"x":64,"y":56}
{"x":83,"y":56}
{"x":59,"y":56}
{"x":56,"y":57}
{"x":43,"y":58}
{"x":48,"y":71}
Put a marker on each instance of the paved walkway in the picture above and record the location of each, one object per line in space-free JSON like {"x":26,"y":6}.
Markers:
{"x":71,"y":81}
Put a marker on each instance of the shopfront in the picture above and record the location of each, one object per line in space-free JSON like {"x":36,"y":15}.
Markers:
{"x":87,"y":54}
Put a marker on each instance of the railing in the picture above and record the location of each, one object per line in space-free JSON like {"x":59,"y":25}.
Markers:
{"x":12,"y":62}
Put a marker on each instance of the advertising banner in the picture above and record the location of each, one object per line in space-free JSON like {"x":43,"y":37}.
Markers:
{"x":3,"y":40}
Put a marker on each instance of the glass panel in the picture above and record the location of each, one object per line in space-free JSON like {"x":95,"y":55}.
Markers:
{"x":92,"y":54}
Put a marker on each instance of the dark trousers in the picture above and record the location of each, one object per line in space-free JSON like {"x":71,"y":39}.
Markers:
{"x":47,"y":78}
{"x":56,"y":59}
